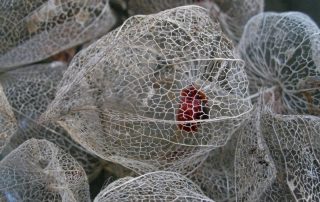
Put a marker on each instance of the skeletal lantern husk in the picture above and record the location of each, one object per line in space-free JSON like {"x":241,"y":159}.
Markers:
{"x":155,"y":186}
{"x":119,"y":97}
{"x":215,"y":176}
{"x":232,"y":14}
{"x":39,"y":171}
{"x":281,"y":51}
{"x":293,"y":141}
{"x":254,"y":167}
{"x":29,"y":90}
{"x":8,"y":125}
{"x":277,"y":157}
{"x":35,"y":30}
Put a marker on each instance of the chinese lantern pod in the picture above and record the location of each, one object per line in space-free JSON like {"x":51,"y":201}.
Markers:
{"x":232,"y":14}
{"x":39,"y":171}
{"x":215,"y":176}
{"x":31,"y":31}
{"x":156,"y":93}
{"x":8,"y":125}
{"x":255,"y":171}
{"x":293,"y":141}
{"x":281,"y":51}
{"x":29,"y":90}
{"x":155,"y":186}
{"x":277,"y":157}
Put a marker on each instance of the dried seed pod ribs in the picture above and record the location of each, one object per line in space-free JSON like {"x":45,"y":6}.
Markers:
{"x":120,"y":97}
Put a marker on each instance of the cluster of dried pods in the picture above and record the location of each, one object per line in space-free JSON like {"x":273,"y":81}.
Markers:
{"x":186,"y":100}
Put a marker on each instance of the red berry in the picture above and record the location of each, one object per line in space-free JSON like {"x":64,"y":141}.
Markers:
{"x":193,"y":106}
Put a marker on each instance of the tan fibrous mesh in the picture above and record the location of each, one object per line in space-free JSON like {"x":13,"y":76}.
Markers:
{"x":32,"y":30}
{"x":232,"y":14}
{"x":215,"y":176}
{"x":293,"y":141}
{"x":39,"y":171}
{"x":255,"y":170}
{"x":156,"y":186}
{"x":277,"y":157}
{"x":156,"y":93}
{"x":8,"y":124}
{"x":29,"y":90}
{"x":152,"y":6}
{"x":281,"y":51}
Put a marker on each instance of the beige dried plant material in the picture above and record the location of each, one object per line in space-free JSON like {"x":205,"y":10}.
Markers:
{"x":40,"y":171}
{"x":156,"y":93}
{"x":31,"y":31}
{"x":8,"y":124}
{"x":155,"y":186}
{"x":281,"y":51}
{"x":232,"y":14}
{"x":29,"y":90}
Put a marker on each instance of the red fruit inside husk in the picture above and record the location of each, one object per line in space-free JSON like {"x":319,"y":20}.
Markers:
{"x":193,"y":106}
